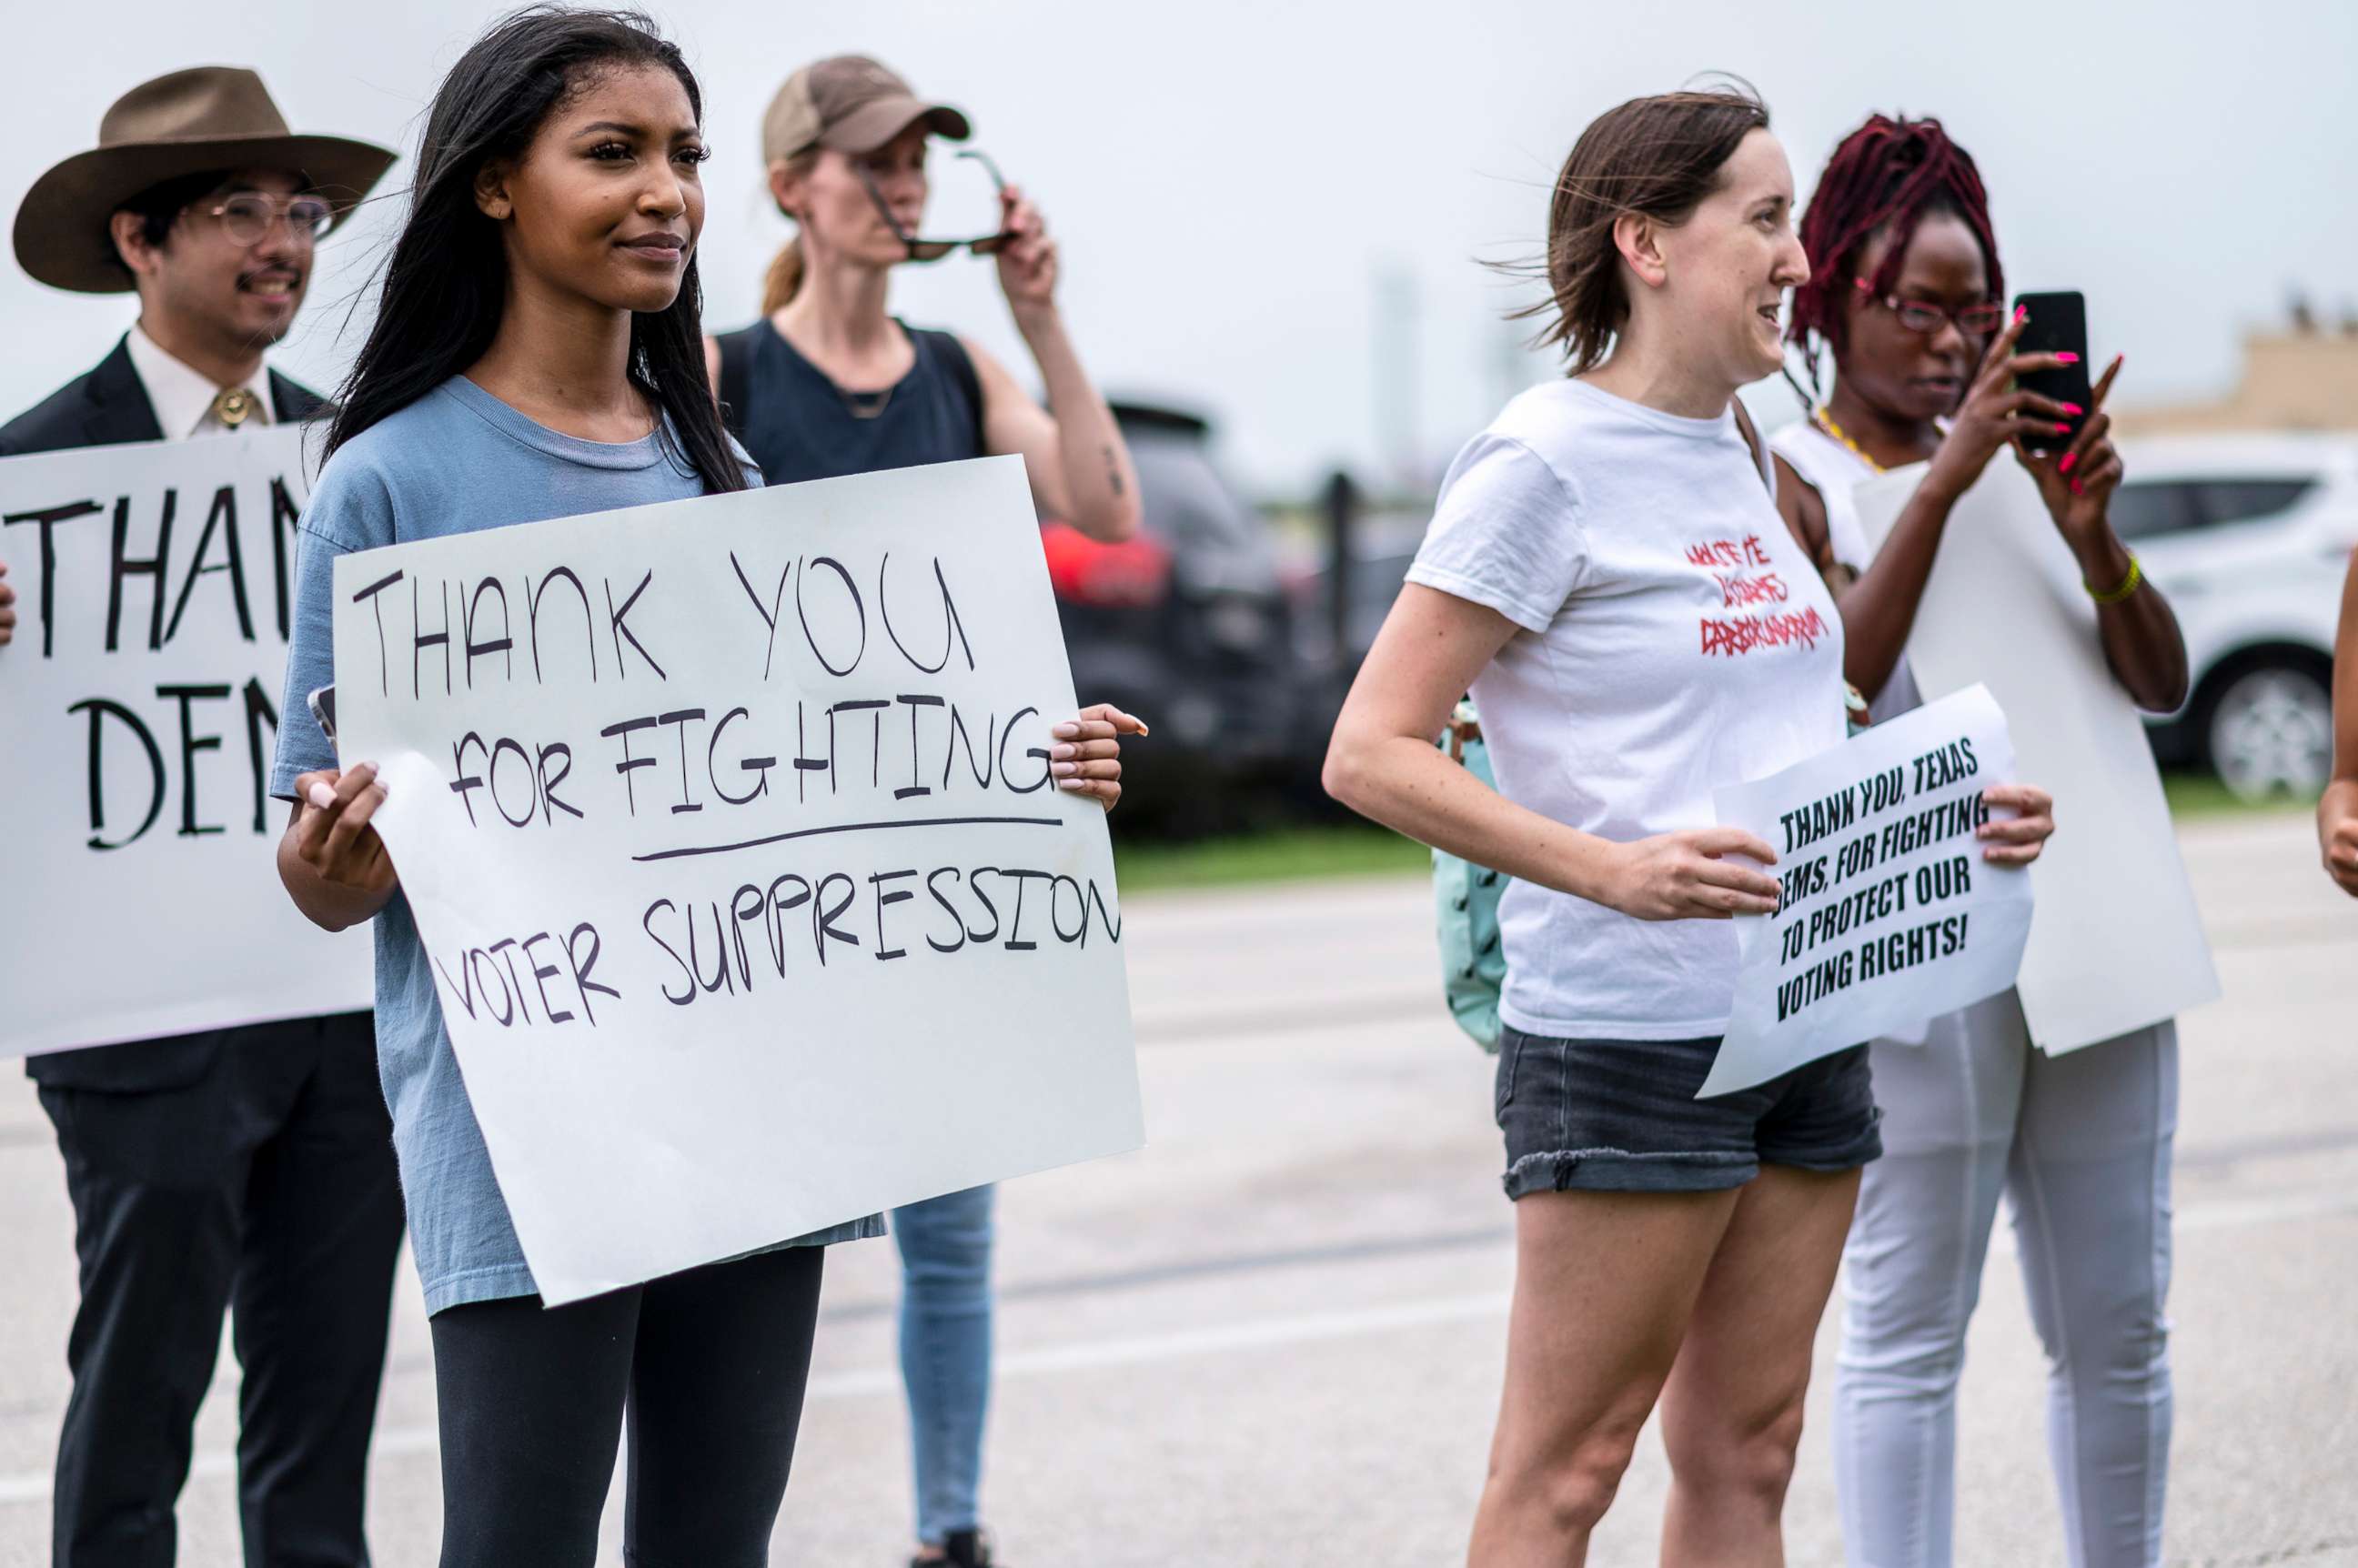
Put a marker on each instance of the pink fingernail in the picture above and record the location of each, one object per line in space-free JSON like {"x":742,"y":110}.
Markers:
{"x":2068,"y":359}
{"x":2062,"y":429}
{"x":2075,"y":487}
{"x":2065,"y":466}
{"x":2073,"y":409}
{"x":1072,"y":783}
{"x":2021,"y":312}
{"x":322,"y":797}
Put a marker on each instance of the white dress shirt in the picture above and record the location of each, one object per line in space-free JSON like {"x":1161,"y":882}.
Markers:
{"x":183,"y":395}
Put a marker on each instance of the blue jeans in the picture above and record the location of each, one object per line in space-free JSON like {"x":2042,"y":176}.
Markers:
{"x":946,"y":1351}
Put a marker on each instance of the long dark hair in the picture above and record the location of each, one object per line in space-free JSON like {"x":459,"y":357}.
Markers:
{"x":446,"y":286}
{"x":1659,"y":156}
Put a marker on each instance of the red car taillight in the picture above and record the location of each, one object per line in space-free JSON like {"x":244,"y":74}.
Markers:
{"x":1133,"y":573}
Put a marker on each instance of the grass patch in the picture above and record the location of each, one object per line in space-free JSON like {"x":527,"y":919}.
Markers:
{"x":1282,"y":854}
{"x":2194,"y":794}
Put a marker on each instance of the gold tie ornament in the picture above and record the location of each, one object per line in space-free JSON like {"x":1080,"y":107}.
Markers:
{"x":232,"y":407}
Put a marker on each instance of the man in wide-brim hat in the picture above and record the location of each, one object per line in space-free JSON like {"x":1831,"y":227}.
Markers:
{"x":247,"y":1169}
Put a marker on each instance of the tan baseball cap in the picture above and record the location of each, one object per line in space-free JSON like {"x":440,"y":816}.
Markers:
{"x":852,"y":105}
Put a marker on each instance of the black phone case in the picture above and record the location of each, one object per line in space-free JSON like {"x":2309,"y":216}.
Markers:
{"x":2058,"y":324}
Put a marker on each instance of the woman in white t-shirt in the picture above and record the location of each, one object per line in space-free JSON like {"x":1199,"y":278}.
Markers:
{"x":1907,"y":295}
{"x":1605,"y":570}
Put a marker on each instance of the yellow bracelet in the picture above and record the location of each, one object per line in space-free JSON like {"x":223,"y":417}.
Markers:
{"x":2129,"y":584}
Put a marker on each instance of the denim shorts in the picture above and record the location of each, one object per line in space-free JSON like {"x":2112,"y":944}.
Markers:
{"x":1621,"y":1116}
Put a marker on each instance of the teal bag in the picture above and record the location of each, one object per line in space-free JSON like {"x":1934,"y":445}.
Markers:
{"x":1465,"y":907}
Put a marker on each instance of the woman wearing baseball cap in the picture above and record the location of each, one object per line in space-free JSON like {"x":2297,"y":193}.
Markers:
{"x":830,"y":383}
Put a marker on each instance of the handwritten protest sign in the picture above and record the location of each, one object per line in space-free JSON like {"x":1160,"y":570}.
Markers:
{"x":751,"y":903}
{"x":1889,"y":914}
{"x":141,"y":696}
{"x":2118,"y":943}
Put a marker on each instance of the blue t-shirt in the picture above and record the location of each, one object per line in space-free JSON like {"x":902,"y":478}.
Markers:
{"x":455,"y":462}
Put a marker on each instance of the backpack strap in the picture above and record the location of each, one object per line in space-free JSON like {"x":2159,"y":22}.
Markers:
{"x":961,"y":368}
{"x":1752,"y":438}
{"x":737,"y":377}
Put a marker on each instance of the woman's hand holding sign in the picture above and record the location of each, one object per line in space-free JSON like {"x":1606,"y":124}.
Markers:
{"x":331,"y":860}
{"x":1684,"y":876}
{"x":2016,"y":841}
{"x":1087,"y":757}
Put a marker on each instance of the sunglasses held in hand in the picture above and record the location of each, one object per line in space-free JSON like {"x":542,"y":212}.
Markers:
{"x":935,"y":250}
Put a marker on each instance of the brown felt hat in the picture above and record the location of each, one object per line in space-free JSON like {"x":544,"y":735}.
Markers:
{"x":192,"y":121}
{"x":852,"y":105}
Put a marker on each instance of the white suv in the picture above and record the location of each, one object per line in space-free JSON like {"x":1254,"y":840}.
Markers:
{"x":2249,"y":536}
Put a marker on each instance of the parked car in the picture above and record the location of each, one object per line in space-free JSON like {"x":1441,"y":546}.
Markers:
{"x":1188,"y":627}
{"x":2249,"y":536}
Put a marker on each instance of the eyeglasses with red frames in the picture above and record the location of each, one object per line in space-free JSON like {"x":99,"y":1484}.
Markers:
{"x":1977,"y":320}
{"x":247,"y":218}
{"x":935,"y":250}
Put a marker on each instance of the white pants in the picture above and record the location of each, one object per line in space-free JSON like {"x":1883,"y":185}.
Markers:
{"x":2080,"y":1145}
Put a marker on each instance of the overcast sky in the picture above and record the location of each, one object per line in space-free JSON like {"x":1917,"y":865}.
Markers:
{"x":1272,"y":212}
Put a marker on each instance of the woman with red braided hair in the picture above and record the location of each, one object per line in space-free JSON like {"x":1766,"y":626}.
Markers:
{"x":1906,"y":292}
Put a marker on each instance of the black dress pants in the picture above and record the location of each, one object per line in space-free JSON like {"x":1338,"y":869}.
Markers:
{"x":710,"y":1366}
{"x":266,"y":1187}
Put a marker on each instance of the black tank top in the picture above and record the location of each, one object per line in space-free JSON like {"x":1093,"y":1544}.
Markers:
{"x":799,"y":426}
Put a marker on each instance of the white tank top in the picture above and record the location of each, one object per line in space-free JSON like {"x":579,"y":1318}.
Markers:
{"x":1831,"y":469}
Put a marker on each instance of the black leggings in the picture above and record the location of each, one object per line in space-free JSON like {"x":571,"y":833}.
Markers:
{"x":710,"y":1364}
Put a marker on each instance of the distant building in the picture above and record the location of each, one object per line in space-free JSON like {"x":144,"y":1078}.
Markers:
{"x":2305,"y":379}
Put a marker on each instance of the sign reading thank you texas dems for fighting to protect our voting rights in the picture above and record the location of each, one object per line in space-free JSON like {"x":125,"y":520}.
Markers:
{"x":140,"y":696}
{"x":1889,"y":914}
{"x":751,"y":902}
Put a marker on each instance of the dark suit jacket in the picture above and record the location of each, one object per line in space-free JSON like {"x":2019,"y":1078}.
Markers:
{"x":102,"y":409}
{"x":110,"y":405}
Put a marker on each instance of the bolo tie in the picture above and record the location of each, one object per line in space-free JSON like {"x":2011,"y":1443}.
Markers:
{"x":232,"y":407}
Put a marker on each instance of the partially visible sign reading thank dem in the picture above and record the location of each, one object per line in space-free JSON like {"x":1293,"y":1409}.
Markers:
{"x":140,"y":701}
{"x":729,"y":825}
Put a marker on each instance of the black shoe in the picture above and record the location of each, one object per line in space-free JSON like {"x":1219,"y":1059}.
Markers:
{"x":961,"y":1548}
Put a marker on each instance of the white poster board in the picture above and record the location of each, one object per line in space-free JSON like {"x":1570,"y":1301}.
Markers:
{"x":728,"y":824}
{"x":1888,"y":915}
{"x":141,"y":699}
{"x":2117,"y":942}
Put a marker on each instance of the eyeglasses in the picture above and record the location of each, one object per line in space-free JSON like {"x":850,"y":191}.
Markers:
{"x":247,"y":219}
{"x":1924,"y":317}
{"x":935,"y":250}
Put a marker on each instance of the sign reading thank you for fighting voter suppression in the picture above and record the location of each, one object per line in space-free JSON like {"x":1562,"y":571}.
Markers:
{"x":728,"y":826}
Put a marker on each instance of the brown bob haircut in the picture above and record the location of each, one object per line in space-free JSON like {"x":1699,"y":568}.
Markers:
{"x":1659,"y":156}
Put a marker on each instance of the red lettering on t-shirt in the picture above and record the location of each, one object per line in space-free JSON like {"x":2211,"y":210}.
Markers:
{"x":1737,"y":589}
{"x":1718,"y":553}
{"x":1736,"y":635}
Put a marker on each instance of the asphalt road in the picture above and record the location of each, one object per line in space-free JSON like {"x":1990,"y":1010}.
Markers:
{"x":1275,"y":1336}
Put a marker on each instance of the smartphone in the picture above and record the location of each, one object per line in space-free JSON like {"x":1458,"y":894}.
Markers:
{"x":322,"y":704}
{"x":2058,"y":325}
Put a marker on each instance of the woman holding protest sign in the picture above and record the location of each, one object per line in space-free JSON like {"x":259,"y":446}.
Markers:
{"x":828,"y":381}
{"x":537,"y":353}
{"x":1906,"y":291}
{"x":1670,"y":1249}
